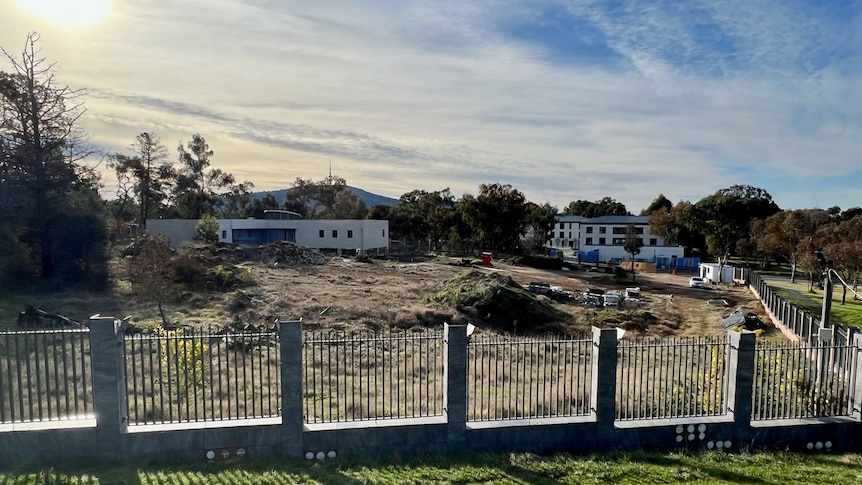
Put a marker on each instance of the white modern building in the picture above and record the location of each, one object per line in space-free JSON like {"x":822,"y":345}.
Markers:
{"x":604,"y":237}
{"x":354,"y":236}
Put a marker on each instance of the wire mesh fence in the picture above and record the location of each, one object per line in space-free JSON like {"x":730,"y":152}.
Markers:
{"x":527,"y":378}
{"x":369,"y":376}
{"x":672,"y":378}
{"x":803,"y":380}
{"x":199,"y":375}
{"x":45,"y":375}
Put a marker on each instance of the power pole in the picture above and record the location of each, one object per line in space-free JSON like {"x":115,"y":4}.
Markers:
{"x":824,"y":336}
{"x":826,"y":309}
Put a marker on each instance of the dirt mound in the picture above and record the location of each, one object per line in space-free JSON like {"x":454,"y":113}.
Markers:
{"x":289,"y":253}
{"x":217,"y":253}
{"x":495,"y":300}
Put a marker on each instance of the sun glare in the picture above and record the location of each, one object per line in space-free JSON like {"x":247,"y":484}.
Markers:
{"x":68,"y":12}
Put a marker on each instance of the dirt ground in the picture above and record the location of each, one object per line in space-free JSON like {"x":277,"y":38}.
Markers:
{"x":348,"y":294}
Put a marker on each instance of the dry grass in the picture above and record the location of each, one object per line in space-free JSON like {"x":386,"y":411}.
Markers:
{"x":45,"y":376}
{"x":528,"y":378}
{"x":180,"y":378}
{"x":372,"y":376}
{"x":378,"y":294}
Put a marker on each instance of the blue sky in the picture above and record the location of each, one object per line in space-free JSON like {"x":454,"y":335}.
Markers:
{"x":564,"y":100}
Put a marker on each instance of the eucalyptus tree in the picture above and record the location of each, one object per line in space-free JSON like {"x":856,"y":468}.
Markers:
{"x":498,"y":215}
{"x":725,"y":217}
{"x":793,"y":235}
{"x":145,"y":177}
{"x":606,"y":206}
{"x":540,"y":224}
{"x":200,"y":189}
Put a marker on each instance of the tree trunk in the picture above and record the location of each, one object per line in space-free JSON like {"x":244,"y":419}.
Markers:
{"x":843,"y":293}
{"x":165,"y":323}
{"x":793,"y":272}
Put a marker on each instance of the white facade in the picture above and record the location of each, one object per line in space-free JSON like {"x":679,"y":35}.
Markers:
{"x":359,"y":235}
{"x":606,"y":235}
{"x":353,"y":235}
{"x":178,"y":231}
{"x":710,"y":273}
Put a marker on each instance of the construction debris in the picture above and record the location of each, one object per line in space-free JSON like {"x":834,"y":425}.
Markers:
{"x":748,"y":321}
{"x":34,"y":317}
{"x":284,"y":252}
{"x":553,"y":292}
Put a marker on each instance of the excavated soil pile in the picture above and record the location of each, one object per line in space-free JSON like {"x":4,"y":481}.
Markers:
{"x":494,"y":300}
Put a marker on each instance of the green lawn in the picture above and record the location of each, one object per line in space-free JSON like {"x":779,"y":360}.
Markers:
{"x":849,"y":314}
{"x":515,"y":468}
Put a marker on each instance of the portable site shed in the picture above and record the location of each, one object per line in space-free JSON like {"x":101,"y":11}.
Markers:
{"x":714,"y":273}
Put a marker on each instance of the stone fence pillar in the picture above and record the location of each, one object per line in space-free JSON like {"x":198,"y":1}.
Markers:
{"x":290,"y":340}
{"x":109,"y":386}
{"x":603,"y":387}
{"x":740,"y":384}
{"x":455,"y":385}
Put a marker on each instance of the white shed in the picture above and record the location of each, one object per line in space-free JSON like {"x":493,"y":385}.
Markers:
{"x":710,"y":273}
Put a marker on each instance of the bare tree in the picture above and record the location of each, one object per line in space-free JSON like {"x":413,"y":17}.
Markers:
{"x":150,"y":273}
{"x":43,"y":146}
{"x":633,"y":244}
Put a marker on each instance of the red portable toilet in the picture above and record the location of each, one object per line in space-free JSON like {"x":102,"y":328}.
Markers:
{"x":486,"y":259}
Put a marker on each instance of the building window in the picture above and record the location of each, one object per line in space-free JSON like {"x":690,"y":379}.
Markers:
{"x":320,"y":233}
{"x":562,"y":234}
{"x":603,"y":230}
{"x":589,"y":229}
{"x":619,"y":230}
{"x":653,"y":241}
{"x":224,"y":234}
{"x":384,"y":233}
{"x":349,"y":234}
{"x":334,"y":233}
{"x":589,"y":241}
{"x":601,"y":240}
{"x":619,"y":241}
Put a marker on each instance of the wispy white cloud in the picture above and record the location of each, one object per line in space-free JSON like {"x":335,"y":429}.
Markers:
{"x":696,"y":95}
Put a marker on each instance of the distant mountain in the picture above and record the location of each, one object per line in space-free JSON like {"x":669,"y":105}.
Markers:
{"x":370,"y":199}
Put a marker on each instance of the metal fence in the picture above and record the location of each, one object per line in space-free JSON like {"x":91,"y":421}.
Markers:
{"x":528,"y":377}
{"x":372,"y":375}
{"x":183,"y":376}
{"x":799,"y":321}
{"x":803,"y":381}
{"x":45,"y":376}
{"x":672,"y":378}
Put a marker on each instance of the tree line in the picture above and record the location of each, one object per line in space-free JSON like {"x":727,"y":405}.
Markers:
{"x":55,"y":225}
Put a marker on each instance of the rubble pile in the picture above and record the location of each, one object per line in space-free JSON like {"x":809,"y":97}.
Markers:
{"x":217,"y":253}
{"x":37,"y":318}
{"x":284,"y":252}
{"x":244,"y":336}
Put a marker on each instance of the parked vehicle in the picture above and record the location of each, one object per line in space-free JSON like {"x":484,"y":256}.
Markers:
{"x":695,"y":282}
